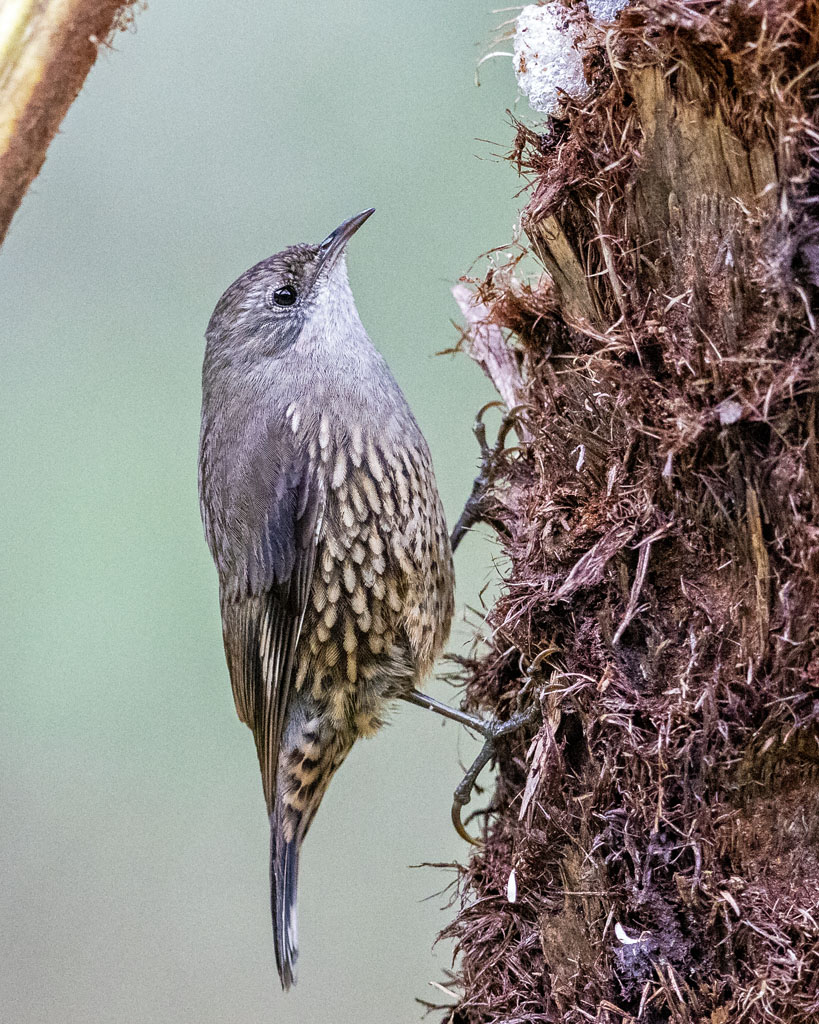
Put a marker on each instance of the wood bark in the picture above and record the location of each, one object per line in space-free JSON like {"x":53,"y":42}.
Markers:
{"x":47,"y":48}
{"x":661,"y":522}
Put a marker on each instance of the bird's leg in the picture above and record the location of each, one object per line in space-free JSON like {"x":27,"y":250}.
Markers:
{"x":422,"y":700}
{"x":476,"y":509}
{"x":494,"y":731}
{"x":491,"y":729}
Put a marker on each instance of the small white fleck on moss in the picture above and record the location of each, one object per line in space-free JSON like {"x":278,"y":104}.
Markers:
{"x":729,"y":412}
{"x":512,"y":887}
{"x":623,"y":936}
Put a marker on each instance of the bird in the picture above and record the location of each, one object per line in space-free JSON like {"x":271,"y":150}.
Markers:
{"x":323,"y":517}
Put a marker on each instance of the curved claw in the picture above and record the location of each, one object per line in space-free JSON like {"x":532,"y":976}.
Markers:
{"x":463,"y":792}
{"x":479,"y":427}
{"x":475,"y":510}
{"x":460,"y":828}
{"x":493,"y":731}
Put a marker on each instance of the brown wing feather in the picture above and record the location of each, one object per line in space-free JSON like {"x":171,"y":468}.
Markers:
{"x":261,"y":633}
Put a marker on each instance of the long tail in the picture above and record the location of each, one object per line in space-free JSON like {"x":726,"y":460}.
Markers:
{"x":284,"y":874}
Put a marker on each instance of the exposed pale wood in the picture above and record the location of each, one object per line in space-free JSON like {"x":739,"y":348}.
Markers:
{"x":568,"y":273}
{"x":488,"y":347}
{"x":686,"y":150}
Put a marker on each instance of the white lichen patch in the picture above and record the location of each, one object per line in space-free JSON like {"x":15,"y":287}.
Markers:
{"x":547,"y":58}
{"x":605,"y":11}
{"x":549,"y":43}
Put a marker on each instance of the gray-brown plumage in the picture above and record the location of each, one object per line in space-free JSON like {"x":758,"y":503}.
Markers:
{"x":322,"y":514}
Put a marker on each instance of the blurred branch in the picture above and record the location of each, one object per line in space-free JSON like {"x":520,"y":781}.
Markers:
{"x":47,"y":47}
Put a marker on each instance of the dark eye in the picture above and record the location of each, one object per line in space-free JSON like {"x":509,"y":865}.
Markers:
{"x":285,"y":296}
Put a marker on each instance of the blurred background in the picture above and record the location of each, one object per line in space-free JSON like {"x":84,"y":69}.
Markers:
{"x":133,"y":838}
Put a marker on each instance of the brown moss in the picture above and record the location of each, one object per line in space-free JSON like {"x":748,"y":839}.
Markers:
{"x":663,"y":543}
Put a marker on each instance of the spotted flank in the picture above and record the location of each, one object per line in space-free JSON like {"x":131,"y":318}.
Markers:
{"x":381,"y":589}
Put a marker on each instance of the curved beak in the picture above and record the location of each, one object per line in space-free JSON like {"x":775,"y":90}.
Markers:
{"x":336,"y":242}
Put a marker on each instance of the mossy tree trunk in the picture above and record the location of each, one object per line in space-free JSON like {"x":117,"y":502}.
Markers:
{"x":662,"y":823}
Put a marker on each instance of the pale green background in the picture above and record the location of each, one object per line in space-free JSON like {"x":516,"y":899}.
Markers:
{"x":133,"y":846}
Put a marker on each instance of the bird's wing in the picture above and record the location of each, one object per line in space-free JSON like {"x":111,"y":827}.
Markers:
{"x":261,"y":631}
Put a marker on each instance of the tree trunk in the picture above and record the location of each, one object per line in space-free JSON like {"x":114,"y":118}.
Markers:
{"x":661,"y":824}
{"x":47,"y":47}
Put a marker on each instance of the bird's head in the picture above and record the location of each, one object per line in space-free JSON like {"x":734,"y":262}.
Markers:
{"x":265,"y":311}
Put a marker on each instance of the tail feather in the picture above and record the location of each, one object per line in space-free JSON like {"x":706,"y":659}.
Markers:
{"x":284,"y":873}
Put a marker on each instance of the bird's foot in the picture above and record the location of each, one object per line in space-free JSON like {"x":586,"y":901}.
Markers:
{"x":477,"y":508}
{"x":491,"y":729}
